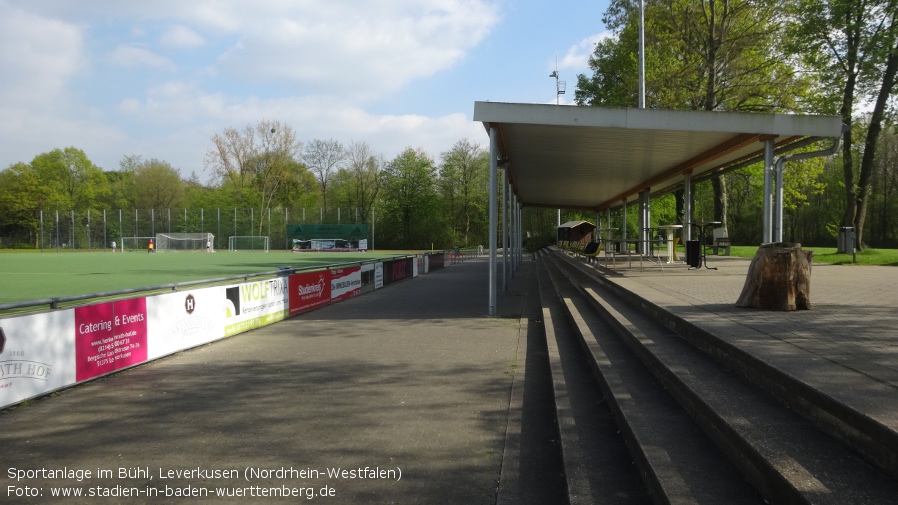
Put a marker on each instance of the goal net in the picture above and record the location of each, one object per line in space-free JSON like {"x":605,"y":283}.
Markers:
{"x":134,"y":243}
{"x":184,"y":241}
{"x":248,"y":243}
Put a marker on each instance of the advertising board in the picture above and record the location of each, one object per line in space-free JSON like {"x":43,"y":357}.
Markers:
{"x":255,"y":304}
{"x":182,"y":320}
{"x":346,"y":283}
{"x":37,"y":355}
{"x":309,"y":291}
{"x":109,"y":336}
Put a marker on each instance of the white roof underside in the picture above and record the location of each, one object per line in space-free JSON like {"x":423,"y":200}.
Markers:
{"x":593,"y":158}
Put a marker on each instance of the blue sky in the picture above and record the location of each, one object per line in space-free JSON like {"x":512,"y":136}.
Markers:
{"x":159,"y":79}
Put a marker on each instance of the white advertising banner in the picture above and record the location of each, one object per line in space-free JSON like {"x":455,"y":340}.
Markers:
{"x":37,"y":355}
{"x":378,"y":275}
{"x":182,"y":320}
{"x":346,"y":283}
{"x":255,"y":304}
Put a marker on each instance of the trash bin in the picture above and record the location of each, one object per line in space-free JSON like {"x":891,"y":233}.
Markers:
{"x":693,"y":253}
{"x":845,"y":243}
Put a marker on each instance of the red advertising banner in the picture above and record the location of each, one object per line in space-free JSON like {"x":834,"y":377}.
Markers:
{"x":110,"y":336}
{"x":309,"y":291}
{"x":346,"y":283}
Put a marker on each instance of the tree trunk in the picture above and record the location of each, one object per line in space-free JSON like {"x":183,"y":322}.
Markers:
{"x":779,"y":278}
{"x":865,"y":185}
{"x":721,"y":201}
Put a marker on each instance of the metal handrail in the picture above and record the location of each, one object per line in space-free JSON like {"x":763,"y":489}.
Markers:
{"x":54,"y":303}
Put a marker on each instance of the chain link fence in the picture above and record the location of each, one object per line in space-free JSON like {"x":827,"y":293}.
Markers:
{"x":96,"y":229}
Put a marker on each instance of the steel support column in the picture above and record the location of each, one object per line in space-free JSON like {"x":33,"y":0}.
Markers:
{"x":687,"y":207}
{"x":623,"y":226}
{"x":505,"y":230}
{"x":767,"y":216}
{"x":494,"y":222}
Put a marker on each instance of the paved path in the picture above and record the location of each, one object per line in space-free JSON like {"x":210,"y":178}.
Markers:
{"x":413,"y":378}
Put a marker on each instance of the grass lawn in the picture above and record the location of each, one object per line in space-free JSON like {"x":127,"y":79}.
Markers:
{"x":34,"y":275}
{"x":887,"y":257}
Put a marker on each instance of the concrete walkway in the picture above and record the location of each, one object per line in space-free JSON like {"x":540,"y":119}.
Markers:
{"x":404,"y":390}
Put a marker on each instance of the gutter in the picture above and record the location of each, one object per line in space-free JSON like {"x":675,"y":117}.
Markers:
{"x":779,"y":168}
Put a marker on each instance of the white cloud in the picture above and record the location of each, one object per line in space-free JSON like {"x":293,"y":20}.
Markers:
{"x":38,"y":57}
{"x":36,"y":132}
{"x":336,"y":55}
{"x":577,"y":56}
{"x":358,"y":49}
{"x":361,"y":48}
{"x":179,"y":36}
{"x":136,"y":57}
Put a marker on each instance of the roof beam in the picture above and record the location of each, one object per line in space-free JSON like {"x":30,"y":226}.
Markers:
{"x":734,"y":144}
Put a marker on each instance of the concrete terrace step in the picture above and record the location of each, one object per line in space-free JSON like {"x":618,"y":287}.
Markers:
{"x":822,"y":391}
{"x":677,"y":462}
{"x":597,"y":465}
{"x":786,"y":458}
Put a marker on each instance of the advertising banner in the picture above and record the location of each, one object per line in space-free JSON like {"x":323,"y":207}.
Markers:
{"x":37,"y":355}
{"x":110,"y":336}
{"x":309,"y":291}
{"x":436,"y":261}
{"x":378,"y":276}
{"x":178,"y":321}
{"x":255,"y":304}
{"x":346,"y":283}
{"x":397,"y":270}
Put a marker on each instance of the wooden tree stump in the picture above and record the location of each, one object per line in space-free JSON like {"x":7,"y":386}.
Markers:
{"x":779,"y":278}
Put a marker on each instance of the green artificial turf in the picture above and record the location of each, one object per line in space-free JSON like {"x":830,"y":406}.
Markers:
{"x":35,"y":275}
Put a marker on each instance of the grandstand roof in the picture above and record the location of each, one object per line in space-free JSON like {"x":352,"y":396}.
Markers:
{"x":593,"y":157}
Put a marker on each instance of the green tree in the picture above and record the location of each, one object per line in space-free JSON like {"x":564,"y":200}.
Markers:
{"x":324,"y":158}
{"x":298,"y":187}
{"x":410,"y":216}
{"x":852,"y":47}
{"x":160,"y":186}
{"x":700,"y":55}
{"x":254,"y":163}
{"x":358,"y":182}
{"x":464,"y":189}
{"x":21,"y":200}
{"x":71,"y":181}
{"x":884,"y":226}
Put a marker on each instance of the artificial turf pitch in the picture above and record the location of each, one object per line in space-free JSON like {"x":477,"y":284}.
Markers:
{"x":36,"y":275}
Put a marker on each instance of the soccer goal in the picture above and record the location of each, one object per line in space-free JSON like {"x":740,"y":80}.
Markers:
{"x":135,"y":243}
{"x":248,"y":243}
{"x":184,"y":241}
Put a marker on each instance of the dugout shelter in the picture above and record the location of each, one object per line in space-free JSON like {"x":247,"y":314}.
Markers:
{"x":574,"y":231}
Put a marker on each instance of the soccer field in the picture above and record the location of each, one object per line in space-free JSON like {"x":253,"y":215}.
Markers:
{"x":34,"y":276}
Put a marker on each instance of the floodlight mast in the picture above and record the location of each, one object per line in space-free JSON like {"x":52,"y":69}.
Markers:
{"x":559,"y":85}
{"x":559,"y":90}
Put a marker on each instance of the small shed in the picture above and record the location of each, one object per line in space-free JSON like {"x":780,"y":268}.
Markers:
{"x":575,"y":231}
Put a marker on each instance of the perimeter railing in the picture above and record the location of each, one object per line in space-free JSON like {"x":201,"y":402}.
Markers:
{"x":16,"y":308}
